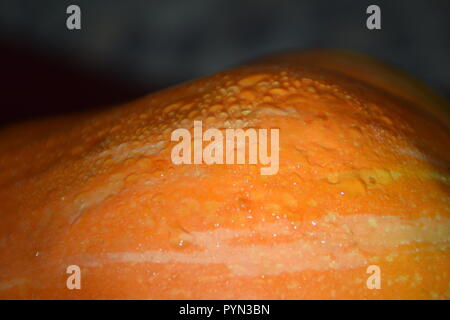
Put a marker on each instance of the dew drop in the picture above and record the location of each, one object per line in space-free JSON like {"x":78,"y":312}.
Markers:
{"x":333,"y":178}
{"x":278,"y":91}
{"x":171,"y":107}
{"x":251,"y":80}
{"x":215,"y":108}
{"x":247,"y":95}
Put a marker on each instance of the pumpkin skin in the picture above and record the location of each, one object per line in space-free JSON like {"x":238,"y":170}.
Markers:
{"x":363,"y":180}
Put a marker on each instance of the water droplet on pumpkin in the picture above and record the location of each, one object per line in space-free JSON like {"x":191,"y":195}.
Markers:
{"x":222,"y":115}
{"x":247,"y":95}
{"x":179,"y":238}
{"x":192,"y":114}
{"x":278,"y":91}
{"x":333,"y":178}
{"x":171,"y":107}
{"x":233,"y":109}
{"x":210,"y":120}
{"x":215,"y":108}
{"x":252,"y":80}
{"x":268,"y":99}
{"x":186,"y":107}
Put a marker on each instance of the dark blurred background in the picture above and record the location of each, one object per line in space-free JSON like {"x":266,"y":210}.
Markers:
{"x":129,"y":48}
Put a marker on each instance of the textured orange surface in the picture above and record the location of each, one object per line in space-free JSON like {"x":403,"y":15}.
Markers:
{"x":363,"y":180}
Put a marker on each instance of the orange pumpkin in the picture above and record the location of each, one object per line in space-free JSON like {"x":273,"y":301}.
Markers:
{"x":363,"y":181}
